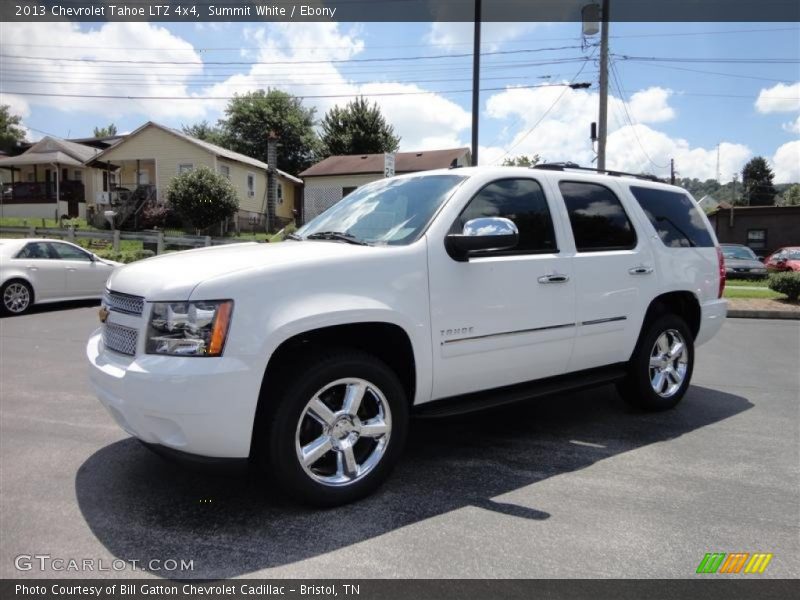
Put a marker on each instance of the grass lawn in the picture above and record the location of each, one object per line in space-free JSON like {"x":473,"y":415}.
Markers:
{"x":747,"y":282}
{"x":38,"y":222}
{"x":729,"y":293}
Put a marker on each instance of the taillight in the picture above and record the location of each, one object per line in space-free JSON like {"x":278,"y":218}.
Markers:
{"x":721,"y":261}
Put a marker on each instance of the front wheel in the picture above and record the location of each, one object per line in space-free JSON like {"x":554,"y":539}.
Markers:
{"x":661,"y":366}
{"x":338,"y":428}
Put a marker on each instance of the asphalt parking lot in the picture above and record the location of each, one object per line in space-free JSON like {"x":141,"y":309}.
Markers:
{"x":577,"y":485}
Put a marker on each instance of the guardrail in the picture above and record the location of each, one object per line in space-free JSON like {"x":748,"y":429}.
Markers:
{"x":114,"y":236}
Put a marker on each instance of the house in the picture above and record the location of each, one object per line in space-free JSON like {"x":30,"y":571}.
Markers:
{"x":122,"y":173}
{"x":762,"y":228}
{"x":149,"y":157}
{"x":332,"y":179}
{"x":53,"y":177}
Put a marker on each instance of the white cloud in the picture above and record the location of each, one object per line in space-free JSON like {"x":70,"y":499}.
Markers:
{"x":458,"y":36}
{"x":786,"y":163}
{"x":52,"y":76}
{"x":563,"y":134}
{"x":793,"y":126}
{"x":779,"y":98}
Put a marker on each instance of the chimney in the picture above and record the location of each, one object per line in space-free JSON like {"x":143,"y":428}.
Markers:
{"x":272,"y":181}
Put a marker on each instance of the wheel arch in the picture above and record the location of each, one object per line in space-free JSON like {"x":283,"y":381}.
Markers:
{"x":682,"y":303}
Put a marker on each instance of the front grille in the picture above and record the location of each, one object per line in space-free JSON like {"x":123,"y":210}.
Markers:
{"x":120,"y":339}
{"x":123,"y":303}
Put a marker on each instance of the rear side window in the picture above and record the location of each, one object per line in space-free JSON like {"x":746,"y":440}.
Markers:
{"x":598,"y":220}
{"x":674,"y":216}
{"x":523,"y":202}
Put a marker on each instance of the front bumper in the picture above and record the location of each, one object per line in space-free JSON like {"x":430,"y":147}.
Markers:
{"x":712,"y":316}
{"x":200,"y":406}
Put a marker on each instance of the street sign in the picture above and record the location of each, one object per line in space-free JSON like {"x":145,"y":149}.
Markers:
{"x":388,"y":164}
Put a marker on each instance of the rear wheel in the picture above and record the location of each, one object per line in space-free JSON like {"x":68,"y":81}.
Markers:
{"x":661,"y":366}
{"x":17,"y":297}
{"x":337,"y":429}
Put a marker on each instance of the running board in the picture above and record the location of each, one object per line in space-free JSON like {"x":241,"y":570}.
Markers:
{"x":486,"y":399}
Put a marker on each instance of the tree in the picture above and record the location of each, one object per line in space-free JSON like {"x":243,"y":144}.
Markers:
{"x":757,"y":182}
{"x":522,"y":160}
{"x":252,"y":116}
{"x":11,"y":134}
{"x":358,"y":128}
{"x":101,"y":132}
{"x":202,"y":197}
{"x":790,"y":197}
{"x":206,"y":132}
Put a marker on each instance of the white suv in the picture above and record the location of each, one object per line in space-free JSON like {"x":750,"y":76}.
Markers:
{"x":431,"y":293}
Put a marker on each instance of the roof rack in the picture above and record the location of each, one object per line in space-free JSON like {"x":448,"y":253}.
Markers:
{"x":562,"y":166}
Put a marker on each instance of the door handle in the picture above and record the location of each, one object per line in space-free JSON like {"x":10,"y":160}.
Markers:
{"x":554,"y":278}
{"x":642,"y":270}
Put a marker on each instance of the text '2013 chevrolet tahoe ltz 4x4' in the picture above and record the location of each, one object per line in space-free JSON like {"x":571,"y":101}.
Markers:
{"x":435,"y":293}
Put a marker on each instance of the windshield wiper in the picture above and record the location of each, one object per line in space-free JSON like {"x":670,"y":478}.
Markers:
{"x":336,"y":235}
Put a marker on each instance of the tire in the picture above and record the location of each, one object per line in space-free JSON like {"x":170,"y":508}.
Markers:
{"x":17,"y":297}
{"x":659,"y":371}
{"x":347,"y":463}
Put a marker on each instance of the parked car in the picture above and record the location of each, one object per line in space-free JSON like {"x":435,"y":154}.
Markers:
{"x":432,"y":293}
{"x":37,"y":271}
{"x":785,"y":259}
{"x":742,"y":263}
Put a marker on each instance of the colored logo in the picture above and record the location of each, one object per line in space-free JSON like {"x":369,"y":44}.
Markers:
{"x":103,"y":314}
{"x":735,"y":562}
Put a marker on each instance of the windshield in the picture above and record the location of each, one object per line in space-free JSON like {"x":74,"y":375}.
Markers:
{"x":791,"y":254}
{"x":738,"y":252}
{"x":389,"y":211}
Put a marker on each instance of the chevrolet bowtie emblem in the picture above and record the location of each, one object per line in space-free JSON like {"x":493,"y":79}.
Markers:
{"x":103,"y":314}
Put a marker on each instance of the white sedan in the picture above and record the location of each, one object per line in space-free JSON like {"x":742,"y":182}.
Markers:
{"x":36,"y":271}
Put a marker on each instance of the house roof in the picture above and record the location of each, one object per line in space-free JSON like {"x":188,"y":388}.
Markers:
{"x":405,"y":162}
{"x":53,"y":150}
{"x":208,"y":146}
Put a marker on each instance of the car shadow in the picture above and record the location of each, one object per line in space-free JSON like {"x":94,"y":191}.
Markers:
{"x":141,"y":507}
{"x":53,"y":307}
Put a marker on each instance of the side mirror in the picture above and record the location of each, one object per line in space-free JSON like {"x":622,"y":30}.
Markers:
{"x":760,"y":258}
{"x":486,"y":233}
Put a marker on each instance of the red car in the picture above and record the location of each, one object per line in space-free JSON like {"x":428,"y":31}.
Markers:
{"x":785,"y":259}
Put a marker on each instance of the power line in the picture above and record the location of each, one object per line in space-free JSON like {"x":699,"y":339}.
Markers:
{"x":288,"y":62}
{"x":738,"y":76}
{"x":547,"y":112}
{"x":685,"y":59}
{"x":615,"y":77}
{"x":307,"y":97}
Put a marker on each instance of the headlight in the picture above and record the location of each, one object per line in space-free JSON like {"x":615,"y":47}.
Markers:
{"x":189,"y":328}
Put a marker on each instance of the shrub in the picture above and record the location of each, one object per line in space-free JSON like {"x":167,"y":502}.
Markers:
{"x":203,"y":197}
{"x":158,"y":216}
{"x":125,"y":256}
{"x":786,"y":283}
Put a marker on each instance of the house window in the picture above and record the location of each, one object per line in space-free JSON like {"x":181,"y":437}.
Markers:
{"x":757,"y":239}
{"x":251,"y":184}
{"x":184,"y":168}
{"x":31,"y":177}
{"x":225,"y":171}
{"x":348,"y":190}
{"x":78,"y":175}
{"x":280,"y":193}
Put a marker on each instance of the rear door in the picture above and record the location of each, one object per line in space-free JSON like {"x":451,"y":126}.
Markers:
{"x":614,"y":271}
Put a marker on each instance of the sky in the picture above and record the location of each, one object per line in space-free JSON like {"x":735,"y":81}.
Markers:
{"x":725,"y":93}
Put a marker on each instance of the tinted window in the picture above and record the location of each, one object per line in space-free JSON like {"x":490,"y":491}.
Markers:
{"x":675,"y":217}
{"x":523,"y":202}
{"x":598,"y":220}
{"x":67,"y":252}
{"x":738,"y":253}
{"x":35,"y":250}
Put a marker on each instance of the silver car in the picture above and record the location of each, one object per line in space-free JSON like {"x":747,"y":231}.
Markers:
{"x":742,"y":263}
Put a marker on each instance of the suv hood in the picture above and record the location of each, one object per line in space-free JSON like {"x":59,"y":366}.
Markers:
{"x":172,"y":277}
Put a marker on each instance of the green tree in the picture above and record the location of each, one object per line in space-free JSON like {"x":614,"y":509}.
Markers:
{"x":11,"y":134}
{"x":206,"y":132}
{"x":791,"y":196}
{"x":202,"y":197}
{"x":108,"y":131}
{"x":358,"y":128}
{"x":523,"y":160}
{"x":757,"y":177}
{"x":252,"y":116}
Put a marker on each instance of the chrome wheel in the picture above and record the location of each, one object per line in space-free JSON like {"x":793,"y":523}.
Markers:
{"x":16,"y":297}
{"x":343,"y":432}
{"x":669,"y":361}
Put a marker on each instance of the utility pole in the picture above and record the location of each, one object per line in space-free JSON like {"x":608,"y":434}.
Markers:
{"x":602,"y":133}
{"x":476,"y":81}
{"x":672,"y":171}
